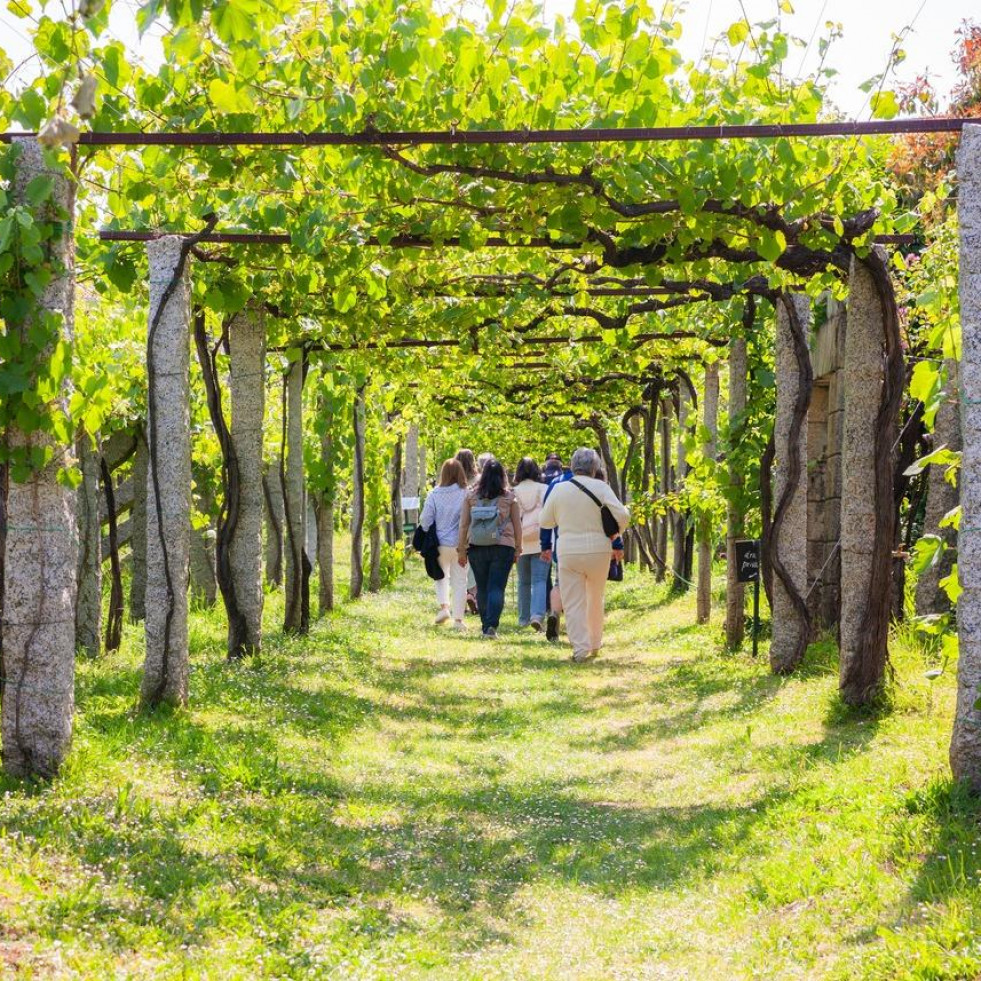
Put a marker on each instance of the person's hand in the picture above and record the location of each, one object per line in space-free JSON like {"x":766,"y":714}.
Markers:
{"x":462,"y":559}
{"x":546,"y":555}
{"x":516,"y":557}
{"x":618,"y":554}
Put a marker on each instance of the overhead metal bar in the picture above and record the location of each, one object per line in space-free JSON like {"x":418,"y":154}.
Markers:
{"x":396,"y":242}
{"x":519,"y":137}
{"x":238,"y":238}
{"x":423,"y":342}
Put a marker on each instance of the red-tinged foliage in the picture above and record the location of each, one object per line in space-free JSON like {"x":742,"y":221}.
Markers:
{"x":923,"y":161}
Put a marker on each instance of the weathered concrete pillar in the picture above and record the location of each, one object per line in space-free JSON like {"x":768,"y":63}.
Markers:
{"x":247,"y":364}
{"x":275,"y":523}
{"x":311,"y":524}
{"x":88,"y":604}
{"x":710,"y":409}
{"x":325,"y":555}
{"x":201,"y":569}
{"x":137,"y":586}
{"x":942,"y":497}
{"x":965,"y":745}
{"x":790,"y":627}
{"x":667,"y":485}
{"x":357,"y":498}
{"x":168,"y":523}
{"x":374,"y":562}
{"x":735,"y":519}
{"x":294,"y":496}
{"x":679,"y":520}
{"x":325,"y":518}
{"x":411,"y":477}
{"x":863,"y":378}
{"x":37,"y":595}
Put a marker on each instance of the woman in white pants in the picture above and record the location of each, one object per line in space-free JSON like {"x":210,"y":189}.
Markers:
{"x":443,"y":506}
{"x":584,"y":549}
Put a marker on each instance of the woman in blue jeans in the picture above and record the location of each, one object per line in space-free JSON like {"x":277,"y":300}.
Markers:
{"x":492,"y":547}
{"x":529,"y":491}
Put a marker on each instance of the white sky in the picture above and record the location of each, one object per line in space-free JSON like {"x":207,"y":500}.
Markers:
{"x":868,"y":27}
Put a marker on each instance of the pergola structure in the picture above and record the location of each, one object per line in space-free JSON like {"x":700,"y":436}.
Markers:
{"x":36,"y":726}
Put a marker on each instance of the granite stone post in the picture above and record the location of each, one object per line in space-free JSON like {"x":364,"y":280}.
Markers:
{"x":965,"y":745}
{"x":37,"y":599}
{"x":247,"y":363}
{"x":168,"y":520}
{"x":786,"y":646}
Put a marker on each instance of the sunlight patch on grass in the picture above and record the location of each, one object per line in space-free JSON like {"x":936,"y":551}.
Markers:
{"x":384,"y":799}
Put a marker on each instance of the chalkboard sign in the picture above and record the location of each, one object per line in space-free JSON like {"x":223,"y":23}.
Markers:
{"x":748,"y":561}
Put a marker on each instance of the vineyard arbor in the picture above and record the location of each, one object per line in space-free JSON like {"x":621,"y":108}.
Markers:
{"x":422,"y":274}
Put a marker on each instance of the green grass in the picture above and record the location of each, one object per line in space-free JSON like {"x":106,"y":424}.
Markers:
{"x":384,"y":799}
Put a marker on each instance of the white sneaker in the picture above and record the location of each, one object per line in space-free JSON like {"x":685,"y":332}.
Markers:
{"x":459,"y":626}
{"x":442,"y":616}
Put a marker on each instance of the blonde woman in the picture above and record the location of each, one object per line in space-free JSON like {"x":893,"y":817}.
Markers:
{"x":443,"y":507}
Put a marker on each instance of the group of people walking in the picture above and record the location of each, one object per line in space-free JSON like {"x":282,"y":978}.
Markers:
{"x":479,"y":525}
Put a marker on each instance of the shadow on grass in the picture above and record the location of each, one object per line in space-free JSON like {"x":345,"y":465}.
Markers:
{"x":259,"y":831}
{"x":950,"y":862}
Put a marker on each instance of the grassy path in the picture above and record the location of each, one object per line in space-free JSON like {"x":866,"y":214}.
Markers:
{"x":385,"y":799}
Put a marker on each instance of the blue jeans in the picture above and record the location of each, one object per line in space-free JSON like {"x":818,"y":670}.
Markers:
{"x":491,"y":566}
{"x":532,"y":580}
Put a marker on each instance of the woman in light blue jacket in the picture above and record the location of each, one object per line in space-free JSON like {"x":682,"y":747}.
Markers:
{"x":443,"y":506}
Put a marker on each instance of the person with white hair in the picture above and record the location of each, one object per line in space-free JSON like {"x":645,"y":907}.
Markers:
{"x":589,"y":515}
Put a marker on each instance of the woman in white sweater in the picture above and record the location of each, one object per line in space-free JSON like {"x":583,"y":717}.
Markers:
{"x":584,"y":549}
{"x":443,"y":506}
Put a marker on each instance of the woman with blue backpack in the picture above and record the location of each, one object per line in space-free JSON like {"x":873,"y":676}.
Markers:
{"x":490,"y":540}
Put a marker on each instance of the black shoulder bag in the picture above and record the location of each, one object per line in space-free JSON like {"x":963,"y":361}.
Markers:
{"x":610,"y":526}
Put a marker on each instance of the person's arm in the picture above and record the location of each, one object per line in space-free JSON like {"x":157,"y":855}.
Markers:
{"x":547,"y":522}
{"x":461,"y":545}
{"x":616,"y":507}
{"x":516,"y":525}
{"x":428,"y":515}
{"x":545,"y":534}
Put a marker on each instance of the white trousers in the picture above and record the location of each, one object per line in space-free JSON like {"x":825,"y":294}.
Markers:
{"x":583,"y":579}
{"x":451,"y":590}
